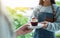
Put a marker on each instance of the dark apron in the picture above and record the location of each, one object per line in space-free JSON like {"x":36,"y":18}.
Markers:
{"x":42,"y":33}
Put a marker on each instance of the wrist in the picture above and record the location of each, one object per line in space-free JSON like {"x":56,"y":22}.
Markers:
{"x":40,"y":25}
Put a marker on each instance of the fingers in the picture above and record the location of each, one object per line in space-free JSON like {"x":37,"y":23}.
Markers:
{"x":44,"y":22}
{"x":27,"y":31}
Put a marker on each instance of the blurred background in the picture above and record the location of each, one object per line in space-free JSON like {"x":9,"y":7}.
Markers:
{"x":20,"y":11}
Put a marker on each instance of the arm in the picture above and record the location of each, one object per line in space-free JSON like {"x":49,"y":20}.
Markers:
{"x":55,"y":26}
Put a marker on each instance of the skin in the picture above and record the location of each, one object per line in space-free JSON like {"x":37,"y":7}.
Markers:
{"x":23,"y":29}
{"x":46,"y":3}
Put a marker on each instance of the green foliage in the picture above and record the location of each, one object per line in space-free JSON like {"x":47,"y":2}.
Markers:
{"x":57,"y":35}
{"x":18,"y":19}
{"x":58,"y":3}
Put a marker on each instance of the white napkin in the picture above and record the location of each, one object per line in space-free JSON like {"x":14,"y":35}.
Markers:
{"x":35,"y":27}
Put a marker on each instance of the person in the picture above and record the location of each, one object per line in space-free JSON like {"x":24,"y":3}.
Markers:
{"x":6,"y":29}
{"x":48,"y":29}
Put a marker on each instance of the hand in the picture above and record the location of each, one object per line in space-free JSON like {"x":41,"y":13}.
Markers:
{"x":45,"y":24}
{"x":23,"y":30}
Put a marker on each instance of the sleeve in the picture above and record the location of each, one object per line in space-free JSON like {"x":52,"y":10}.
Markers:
{"x":55,"y":26}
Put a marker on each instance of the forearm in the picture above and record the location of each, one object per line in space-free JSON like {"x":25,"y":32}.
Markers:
{"x":53,"y":26}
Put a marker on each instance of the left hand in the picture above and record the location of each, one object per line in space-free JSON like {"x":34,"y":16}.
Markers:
{"x":23,"y":30}
{"x":45,"y":24}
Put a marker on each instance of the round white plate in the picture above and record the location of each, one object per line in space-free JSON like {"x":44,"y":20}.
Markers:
{"x":35,"y":27}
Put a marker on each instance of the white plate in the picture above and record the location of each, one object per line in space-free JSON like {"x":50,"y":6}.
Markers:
{"x":35,"y":27}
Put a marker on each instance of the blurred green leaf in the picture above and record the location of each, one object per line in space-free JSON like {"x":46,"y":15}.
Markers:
{"x":58,"y":3}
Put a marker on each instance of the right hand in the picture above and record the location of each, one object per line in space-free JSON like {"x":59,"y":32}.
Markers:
{"x":45,"y":24}
{"x":23,"y":30}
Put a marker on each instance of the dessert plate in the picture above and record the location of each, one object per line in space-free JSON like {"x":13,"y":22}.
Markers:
{"x":35,"y":27}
